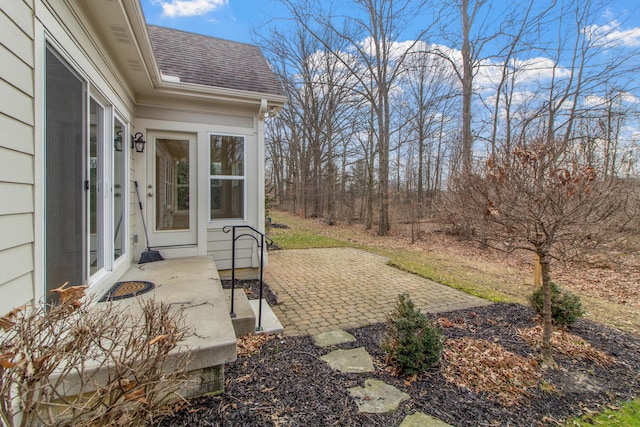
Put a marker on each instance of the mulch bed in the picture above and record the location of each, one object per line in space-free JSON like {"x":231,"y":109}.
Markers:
{"x":252,"y":289}
{"x":285,"y":383}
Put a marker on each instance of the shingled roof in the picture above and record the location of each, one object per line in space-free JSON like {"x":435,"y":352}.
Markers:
{"x":210,"y":61}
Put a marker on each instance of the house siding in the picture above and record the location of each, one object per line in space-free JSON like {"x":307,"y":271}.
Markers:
{"x":219,"y":247}
{"x":16,"y":154}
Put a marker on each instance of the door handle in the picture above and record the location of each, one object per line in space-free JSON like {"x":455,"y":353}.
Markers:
{"x":150,"y":194}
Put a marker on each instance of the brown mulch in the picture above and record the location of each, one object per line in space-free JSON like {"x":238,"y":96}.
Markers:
{"x":252,"y":289}
{"x":489,"y":352}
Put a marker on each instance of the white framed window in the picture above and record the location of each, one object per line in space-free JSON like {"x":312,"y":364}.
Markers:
{"x":226,"y":177}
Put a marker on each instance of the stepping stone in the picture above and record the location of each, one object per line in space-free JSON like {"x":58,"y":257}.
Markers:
{"x":377,"y":397}
{"x":336,"y":337}
{"x":422,"y":420}
{"x":353,"y":361}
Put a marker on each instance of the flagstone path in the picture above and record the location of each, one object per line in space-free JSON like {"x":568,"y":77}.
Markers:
{"x":376,"y":396}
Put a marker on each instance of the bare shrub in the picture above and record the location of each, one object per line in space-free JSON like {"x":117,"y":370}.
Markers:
{"x":73,"y":364}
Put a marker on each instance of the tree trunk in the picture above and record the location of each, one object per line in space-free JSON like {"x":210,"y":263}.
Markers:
{"x":467,"y":89}
{"x":547,"y":319}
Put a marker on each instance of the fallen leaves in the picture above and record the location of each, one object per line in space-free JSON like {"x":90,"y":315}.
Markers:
{"x":249,"y":344}
{"x":483,"y":366}
{"x":6,"y":360}
{"x":137,"y":395}
{"x":458,"y":322}
{"x":567,"y":344}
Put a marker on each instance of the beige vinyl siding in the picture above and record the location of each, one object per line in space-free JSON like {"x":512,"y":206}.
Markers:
{"x":219,"y":246}
{"x":16,"y":230}
{"x":13,"y":294}
{"x":15,"y":167}
{"x":16,"y":103}
{"x":16,"y":135}
{"x":17,"y":198}
{"x":16,"y":71}
{"x":17,"y":34}
{"x":16,"y":154}
{"x":16,"y":261}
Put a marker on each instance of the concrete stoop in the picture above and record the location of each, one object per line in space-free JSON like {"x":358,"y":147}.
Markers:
{"x":192,"y":287}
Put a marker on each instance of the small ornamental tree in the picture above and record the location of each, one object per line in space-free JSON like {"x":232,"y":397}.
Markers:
{"x":546,"y":198}
{"x":71,"y":364}
{"x":412,"y":342}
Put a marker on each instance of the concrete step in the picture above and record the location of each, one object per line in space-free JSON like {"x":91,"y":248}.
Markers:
{"x":192,"y":286}
{"x":244,"y":322}
{"x":270,"y":323}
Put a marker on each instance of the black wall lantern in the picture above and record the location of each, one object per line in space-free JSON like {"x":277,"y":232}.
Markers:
{"x":137,"y":142}
{"x":117,"y":142}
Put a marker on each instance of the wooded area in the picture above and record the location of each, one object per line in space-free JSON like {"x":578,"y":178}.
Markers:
{"x":379,"y":129}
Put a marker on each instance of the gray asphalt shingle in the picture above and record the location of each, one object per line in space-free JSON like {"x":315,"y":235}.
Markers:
{"x":210,"y":61}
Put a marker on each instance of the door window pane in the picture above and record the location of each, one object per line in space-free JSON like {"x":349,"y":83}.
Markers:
{"x":172,"y":184}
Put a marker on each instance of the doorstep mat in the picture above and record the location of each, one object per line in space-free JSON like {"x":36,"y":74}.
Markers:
{"x":128,"y":289}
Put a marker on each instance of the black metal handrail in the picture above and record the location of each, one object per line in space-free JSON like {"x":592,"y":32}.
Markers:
{"x":260,"y":244}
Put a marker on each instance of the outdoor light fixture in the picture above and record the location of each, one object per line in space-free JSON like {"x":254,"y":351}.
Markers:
{"x":137,"y":142}
{"x":117,"y":142}
{"x":273,"y":112}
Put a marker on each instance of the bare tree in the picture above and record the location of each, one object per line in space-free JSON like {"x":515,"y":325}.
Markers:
{"x":548,"y":195}
{"x":430,"y":92}
{"x":471,"y":44}
{"x":372,"y":41}
{"x":548,"y":201}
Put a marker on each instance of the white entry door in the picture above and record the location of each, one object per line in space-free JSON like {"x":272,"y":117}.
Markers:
{"x":171,"y":189}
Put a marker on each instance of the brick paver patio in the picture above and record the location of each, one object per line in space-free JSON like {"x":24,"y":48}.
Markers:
{"x":325,"y":289}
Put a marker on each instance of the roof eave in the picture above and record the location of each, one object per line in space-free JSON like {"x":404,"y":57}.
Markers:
{"x":220,"y":94}
{"x":141,"y":33}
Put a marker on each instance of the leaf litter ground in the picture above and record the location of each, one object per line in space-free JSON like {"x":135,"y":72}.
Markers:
{"x":488,"y":375}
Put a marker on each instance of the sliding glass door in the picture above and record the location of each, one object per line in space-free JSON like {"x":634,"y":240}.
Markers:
{"x":65,"y":220}
{"x":85,"y":179}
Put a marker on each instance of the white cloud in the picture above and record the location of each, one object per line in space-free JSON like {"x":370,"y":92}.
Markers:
{"x":620,"y":97}
{"x":539,"y":68}
{"x":594,"y":101}
{"x":178,"y":8}
{"x":612,"y":35}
